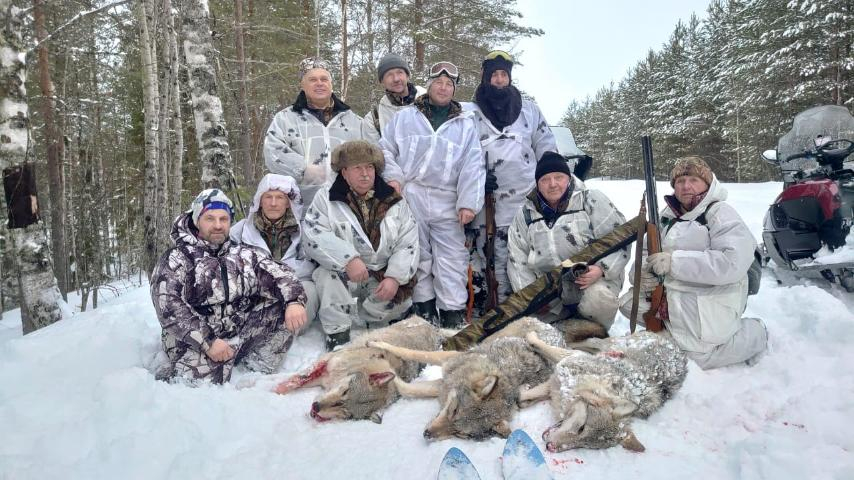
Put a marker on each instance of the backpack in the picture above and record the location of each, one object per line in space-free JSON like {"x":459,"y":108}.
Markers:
{"x":754,"y":273}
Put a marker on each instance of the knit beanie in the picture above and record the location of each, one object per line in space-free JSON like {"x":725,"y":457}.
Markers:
{"x":551,"y":162}
{"x":691,"y":166}
{"x":489,"y":66}
{"x":210,"y":199}
{"x":390,"y":61}
{"x":355,"y":152}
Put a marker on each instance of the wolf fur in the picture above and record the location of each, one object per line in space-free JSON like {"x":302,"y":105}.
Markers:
{"x":479,"y":388}
{"x":595,"y":395}
{"x":357,"y":379}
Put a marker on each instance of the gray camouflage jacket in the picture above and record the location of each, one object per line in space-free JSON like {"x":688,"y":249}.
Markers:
{"x":192,"y":301}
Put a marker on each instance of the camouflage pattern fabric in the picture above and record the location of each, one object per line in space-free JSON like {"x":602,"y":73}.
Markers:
{"x":542,"y":291}
{"x":235,"y":293}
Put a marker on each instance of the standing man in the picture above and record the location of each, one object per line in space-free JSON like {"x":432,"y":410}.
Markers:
{"x":302,"y":136}
{"x":393,"y":73}
{"x":433,"y":154}
{"x":362,"y":234}
{"x":513,"y":135}
{"x":220,"y":303}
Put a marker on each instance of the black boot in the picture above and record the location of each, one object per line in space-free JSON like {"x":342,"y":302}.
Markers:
{"x":337,"y":339}
{"x":426,"y":310}
{"x":453,"y":318}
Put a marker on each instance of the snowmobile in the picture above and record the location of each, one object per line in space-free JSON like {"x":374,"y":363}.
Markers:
{"x":807,"y":227}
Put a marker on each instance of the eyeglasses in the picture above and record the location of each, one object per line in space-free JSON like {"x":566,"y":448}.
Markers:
{"x":447,"y":68}
{"x":499,"y":54}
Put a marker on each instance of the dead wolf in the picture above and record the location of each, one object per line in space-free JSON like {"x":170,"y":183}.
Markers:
{"x":480,"y":387}
{"x":594,"y":395}
{"x":357,"y":379}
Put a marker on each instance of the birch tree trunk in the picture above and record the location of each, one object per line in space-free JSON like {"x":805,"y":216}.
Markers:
{"x":345,"y":67}
{"x":211,"y":133}
{"x":56,"y":181}
{"x":176,"y":178}
{"x":40,"y":296}
{"x":242,"y":104}
{"x":150,"y":99}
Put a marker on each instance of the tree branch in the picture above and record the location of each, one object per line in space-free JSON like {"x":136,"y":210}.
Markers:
{"x":74,"y":19}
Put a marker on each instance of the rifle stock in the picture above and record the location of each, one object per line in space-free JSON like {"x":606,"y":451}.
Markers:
{"x":653,"y":234}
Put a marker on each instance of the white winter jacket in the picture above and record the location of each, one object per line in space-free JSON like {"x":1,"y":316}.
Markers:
{"x":246,"y":233}
{"x":385,"y":110}
{"x":535,"y":249}
{"x":299,"y":145}
{"x":707,"y":285}
{"x":447,"y":159}
{"x":512,"y":154}
{"x":333,"y":236}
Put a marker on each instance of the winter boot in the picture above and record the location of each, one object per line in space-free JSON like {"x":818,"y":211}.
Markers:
{"x":334,"y":340}
{"x":426,"y":310}
{"x":454,"y":319}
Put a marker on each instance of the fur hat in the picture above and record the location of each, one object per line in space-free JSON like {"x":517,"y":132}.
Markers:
{"x":210,"y":199}
{"x":355,"y":152}
{"x":551,"y":162}
{"x":309,"y":63}
{"x":691,"y":166}
{"x":390,"y":61}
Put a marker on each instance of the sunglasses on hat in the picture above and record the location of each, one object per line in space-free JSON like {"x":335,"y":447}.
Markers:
{"x":447,"y":68}
{"x":499,"y":54}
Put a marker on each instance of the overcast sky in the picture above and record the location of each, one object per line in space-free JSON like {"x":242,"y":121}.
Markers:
{"x":587,"y":44}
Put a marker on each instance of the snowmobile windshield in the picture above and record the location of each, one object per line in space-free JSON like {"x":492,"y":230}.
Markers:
{"x":831,"y":122}
{"x":565,"y":141}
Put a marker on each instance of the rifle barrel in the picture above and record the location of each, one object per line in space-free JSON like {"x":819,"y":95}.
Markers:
{"x":649,"y":177}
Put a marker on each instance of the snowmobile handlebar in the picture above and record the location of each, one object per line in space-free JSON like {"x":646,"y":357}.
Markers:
{"x":834,"y":151}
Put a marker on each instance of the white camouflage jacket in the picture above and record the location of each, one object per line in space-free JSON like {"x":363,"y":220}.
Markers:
{"x":333,"y":235}
{"x":535,"y":249}
{"x":512,"y":154}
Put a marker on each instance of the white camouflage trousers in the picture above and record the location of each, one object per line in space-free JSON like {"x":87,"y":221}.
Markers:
{"x":343,"y":305}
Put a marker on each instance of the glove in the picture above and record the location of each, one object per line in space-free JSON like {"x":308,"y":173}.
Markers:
{"x":648,"y":281}
{"x":658,"y":263}
{"x":491,"y":182}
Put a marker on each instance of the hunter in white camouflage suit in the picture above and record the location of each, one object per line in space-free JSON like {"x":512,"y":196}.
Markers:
{"x":219,"y":303}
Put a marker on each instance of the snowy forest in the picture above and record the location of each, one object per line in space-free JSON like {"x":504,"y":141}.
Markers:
{"x":725,"y":87}
{"x":117,"y":112}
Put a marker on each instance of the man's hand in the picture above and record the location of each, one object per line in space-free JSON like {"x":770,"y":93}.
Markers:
{"x":658,"y":263}
{"x":387,"y":289}
{"x":356,"y":270}
{"x":220,"y":351}
{"x":465,"y":216}
{"x":295,"y":317}
{"x":395,"y":185}
{"x":594,"y":272}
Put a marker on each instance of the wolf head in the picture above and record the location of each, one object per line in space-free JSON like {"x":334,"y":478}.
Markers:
{"x":593,"y":420}
{"x":476,"y":404}
{"x":357,"y":396}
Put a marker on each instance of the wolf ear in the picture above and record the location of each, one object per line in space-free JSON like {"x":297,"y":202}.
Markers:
{"x":502,"y":429}
{"x":376,"y":418}
{"x":623,"y":407}
{"x":380,"y":379}
{"x":484,"y":387}
{"x":630,"y":441}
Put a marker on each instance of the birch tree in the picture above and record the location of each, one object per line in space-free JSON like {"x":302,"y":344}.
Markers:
{"x":211,"y":133}
{"x":41,"y":299}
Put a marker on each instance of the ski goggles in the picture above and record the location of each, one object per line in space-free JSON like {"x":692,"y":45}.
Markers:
{"x":447,"y":68}
{"x":499,"y":54}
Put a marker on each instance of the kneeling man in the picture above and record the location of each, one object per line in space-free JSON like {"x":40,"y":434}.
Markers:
{"x":364,"y":237}
{"x":220,"y":303}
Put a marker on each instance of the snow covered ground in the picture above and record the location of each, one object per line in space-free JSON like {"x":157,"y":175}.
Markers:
{"x":78,"y":400}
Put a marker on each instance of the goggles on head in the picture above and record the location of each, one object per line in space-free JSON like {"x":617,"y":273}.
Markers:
{"x":499,"y":54}
{"x":447,"y":68}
